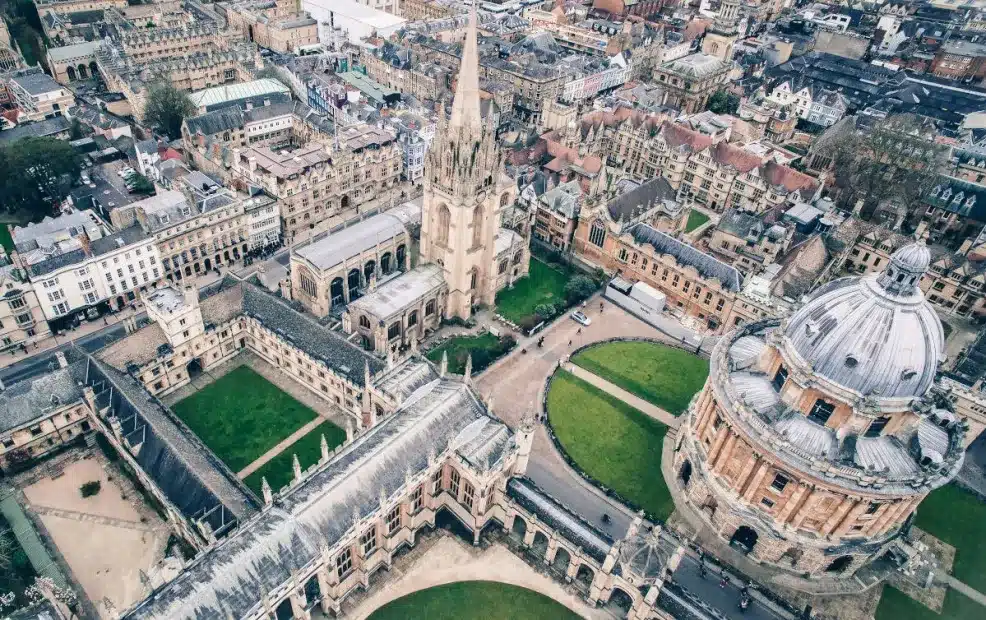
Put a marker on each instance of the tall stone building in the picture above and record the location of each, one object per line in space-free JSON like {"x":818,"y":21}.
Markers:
{"x":817,"y":436}
{"x":719,"y":39}
{"x":465,"y":194}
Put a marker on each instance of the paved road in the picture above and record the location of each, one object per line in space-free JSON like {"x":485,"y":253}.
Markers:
{"x":726,"y":599}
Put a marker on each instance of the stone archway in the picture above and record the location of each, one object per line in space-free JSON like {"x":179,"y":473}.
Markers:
{"x":561,"y":561}
{"x":744,"y":538}
{"x":540,"y":545}
{"x":83,"y":72}
{"x":70,"y":72}
{"x":685,"y":473}
{"x":336,"y":292}
{"x":353,"y":281}
{"x":839,"y":564}
{"x":584,"y":577}
{"x":519,"y":528}
{"x":620,"y":603}
{"x":194,"y":368}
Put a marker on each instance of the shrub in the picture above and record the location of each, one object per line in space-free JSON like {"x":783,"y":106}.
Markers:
{"x":579,"y":288}
{"x":545,"y":311}
{"x":90,"y":488}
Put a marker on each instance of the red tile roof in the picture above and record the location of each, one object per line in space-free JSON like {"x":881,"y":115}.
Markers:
{"x":730,"y":155}
{"x":790,"y":179}
{"x":678,"y":136}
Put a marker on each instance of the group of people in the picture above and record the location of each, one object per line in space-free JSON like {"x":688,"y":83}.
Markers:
{"x":744,"y":599}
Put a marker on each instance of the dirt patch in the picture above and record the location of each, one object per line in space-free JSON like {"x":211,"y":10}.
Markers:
{"x":108,"y":539}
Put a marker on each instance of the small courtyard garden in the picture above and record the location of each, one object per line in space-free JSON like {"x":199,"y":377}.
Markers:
{"x":665,"y":376}
{"x":485,"y":349}
{"x":474,"y":600}
{"x":544,"y":294}
{"x":957,"y":517}
{"x":695,"y":219}
{"x":278,"y":470}
{"x":610,"y":441}
{"x":242,"y":415}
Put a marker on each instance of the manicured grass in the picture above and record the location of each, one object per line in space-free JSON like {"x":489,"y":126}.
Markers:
{"x":5,"y":240}
{"x":959,"y":518}
{"x":484,"y":348}
{"x":695,"y":219}
{"x":474,"y":600}
{"x":662,"y":375}
{"x":309,"y":450}
{"x":543,"y":285}
{"x":242,"y":415}
{"x":895,"y":605}
{"x":611,"y":441}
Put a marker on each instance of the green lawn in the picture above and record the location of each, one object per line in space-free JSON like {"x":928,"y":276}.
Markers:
{"x":5,"y":240}
{"x":474,"y":600}
{"x":611,"y":441}
{"x":695,"y":219}
{"x":242,"y":415}
{"x":958,"y":518}
{"x":309,"y":450}
{"x":543,"y":285}
{"x":485,"y":349}
{"x":663,"y":375}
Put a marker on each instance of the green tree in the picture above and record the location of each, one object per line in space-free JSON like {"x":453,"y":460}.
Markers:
{"x":139,"y":184}
{"x":76,"y":131}
{"x":579,"y":288}
{"x":36,"y":174}
{"x":723,"y":102}
{"x":166,"y":108}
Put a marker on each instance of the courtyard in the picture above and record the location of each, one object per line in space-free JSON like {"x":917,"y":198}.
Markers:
{"x":610,"y":441}
{"x":241,"y":415}
{"x":84,"y":528}
{"x":543,"y":285}
{"x":474,"y":600}
{"x":695,"y":219}
{"x":958,"y":518}
{"x":278,"y":470}
{"x":660,"y":374}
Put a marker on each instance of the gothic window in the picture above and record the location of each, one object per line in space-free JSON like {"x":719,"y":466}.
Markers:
{"x":307,"y":283}
{"x":401,"y":252}
{"x":344,"y":563}
{"x":444,"y":222}
{"x":468,"y":494}
{"x":454,"y":484}
{"x":473,"y":279}
{"x":394,"y":519}
{"x":412,"y":319}
{"x":417,"y":499}
{"x":597,"y":234}
{"x":502,"y":266}
{"x":477,"y":226}
{"x":394,"y":330}
{"x":368,"y":541}
{"x":504,"y":200}
{"x":430,"y":308}
{"x":364,"y":322}
{"x":623,"y":254}
{"x":517,"y":257}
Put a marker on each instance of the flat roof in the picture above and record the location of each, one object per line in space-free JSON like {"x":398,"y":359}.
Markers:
{"x":233,"y":92}
{"x":348,"y":242}
{"x":354,"y":10}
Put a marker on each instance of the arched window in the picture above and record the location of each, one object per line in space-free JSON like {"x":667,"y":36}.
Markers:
{"x":412,"y":319}
{"x":504,"y":200}
{"x":364,"y":322}
{"x":307,"y":282}
{"x":477,"y":226}
{"x":502,"y":266}
{"x":444,"y":222}
{"x":517,"y":257}
{"x":473,"y":279}
{"x":597,"y":233}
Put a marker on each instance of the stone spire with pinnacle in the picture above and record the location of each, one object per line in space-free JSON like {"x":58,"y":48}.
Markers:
{"x":465,"y":105}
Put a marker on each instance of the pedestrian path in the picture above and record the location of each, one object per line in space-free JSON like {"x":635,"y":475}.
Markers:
{"x":634,"y":401}
{"x":967,"y":590}
{"x":279,"y":448}
{"x":86,"y":517}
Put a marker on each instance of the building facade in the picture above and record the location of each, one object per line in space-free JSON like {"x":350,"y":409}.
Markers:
{"x":817,"y":436}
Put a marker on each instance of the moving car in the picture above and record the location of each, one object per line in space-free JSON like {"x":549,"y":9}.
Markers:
{"x":581,"y":318}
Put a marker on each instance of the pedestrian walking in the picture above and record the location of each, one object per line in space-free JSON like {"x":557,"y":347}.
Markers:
{"x":569,"y":343}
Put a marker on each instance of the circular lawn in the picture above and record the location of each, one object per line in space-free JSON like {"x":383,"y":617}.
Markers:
{"x":474,"y":600}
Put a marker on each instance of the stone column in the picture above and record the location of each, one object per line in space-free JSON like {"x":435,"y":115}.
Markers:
{"x":716,"y":445}
{"x":744,"y":475}
{"x":723,"y":457}
{"x":850,"y":519}
{"x":757,"y":481}
{"x":792,"y":503}
{"x":838,"y":516}
{"x":802,"y":511}
{"x":549,"y":553}
{"x":529,"y":536}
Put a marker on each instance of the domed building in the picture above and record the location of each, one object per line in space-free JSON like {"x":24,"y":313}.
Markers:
{"x":817,"y":436}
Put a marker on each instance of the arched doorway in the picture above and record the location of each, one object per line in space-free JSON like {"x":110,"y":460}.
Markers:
{"x":685,"y":473}
{"x":385,"y":266}
{"x":70,"y":71}
{"x":353,"y":281}
{"x":283,"y":611}
{"x":401,"y":254}
{"x":561,"y":561}
{"x":540,"y":544}
{"x":745,"y":538}
{"x":194,"y":368}
{"x":584,"y":577}
{"x":83,"y":72}
{"x":369,"y":269}
{"x":336,"y":295}
{"x":93,"y":69}
{"x":519,"y":528}
{"x":839,"y":564}
{"x":344,"y":203}
{"x":620,"y":603}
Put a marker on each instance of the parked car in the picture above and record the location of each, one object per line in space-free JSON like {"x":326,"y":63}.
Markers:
{"x":581,"y":318}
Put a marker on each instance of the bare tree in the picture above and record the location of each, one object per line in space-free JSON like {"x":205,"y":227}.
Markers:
{"x":894,"y":163}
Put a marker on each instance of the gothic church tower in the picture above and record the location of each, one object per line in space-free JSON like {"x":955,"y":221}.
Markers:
{"x":464,"y":191}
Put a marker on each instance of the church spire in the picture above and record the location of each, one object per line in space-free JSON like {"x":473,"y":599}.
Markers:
{"x":465,"y":105}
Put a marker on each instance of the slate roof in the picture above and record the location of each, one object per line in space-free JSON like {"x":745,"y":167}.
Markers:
{"x":959,"y":196}
{"x":337,"y":247}
{"x":571,"y":526}
{"x":229,"y":579}
{"x":707,"y":266}
{"x":400,"y":292}
{"x":37,"y":83}
{"x":33,"y":399}
{"x":40,"y":129}
{"x":109,"y":243}
{"x":628,"y":205}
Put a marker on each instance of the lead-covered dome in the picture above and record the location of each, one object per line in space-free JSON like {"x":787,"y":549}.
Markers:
{"x":875,"y":335}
